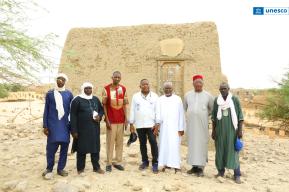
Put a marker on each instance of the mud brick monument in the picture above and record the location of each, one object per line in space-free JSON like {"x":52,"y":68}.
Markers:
{"x":157,"y":52}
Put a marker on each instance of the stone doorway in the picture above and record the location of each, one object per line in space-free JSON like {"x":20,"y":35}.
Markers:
{"x":171,"y":71}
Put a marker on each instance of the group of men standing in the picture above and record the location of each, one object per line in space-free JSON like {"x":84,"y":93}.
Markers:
{"x":166,"y":117}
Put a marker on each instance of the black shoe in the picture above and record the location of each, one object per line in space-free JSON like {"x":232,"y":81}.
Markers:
{"x":119,"y":167}
{"x":193,"y":170}
{"x":164,"y":168}
{"x":219,"y":175}
{"x":155,"y":168}
{"x":62,"y":173}
{"x":80,"y":171}
{"x":143,"y":166}
{"x":177,"y":170}
{"x":200,"y":173}
{"x":108,"y":168}
{"x":46,"y":172}
{"x":238,"y":180}
{"x":99,"y":170}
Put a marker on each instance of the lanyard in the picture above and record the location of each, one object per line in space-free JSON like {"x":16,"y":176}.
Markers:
{"x":92,"y":106}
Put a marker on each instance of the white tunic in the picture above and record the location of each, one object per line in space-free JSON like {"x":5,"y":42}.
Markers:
{"x":198,"y":107}
{"x":170,"y":115}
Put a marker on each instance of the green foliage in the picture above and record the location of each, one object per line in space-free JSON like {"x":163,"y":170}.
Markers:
{"x":3,"y":91}
{"x":14,"y":87}
{"x":21,"y":55}
{"x":277,"y":107}
{"x":5,"y":88}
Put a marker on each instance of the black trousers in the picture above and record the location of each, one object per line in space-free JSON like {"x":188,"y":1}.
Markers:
{"x":80,"y":161}
{"x":143,"y":135}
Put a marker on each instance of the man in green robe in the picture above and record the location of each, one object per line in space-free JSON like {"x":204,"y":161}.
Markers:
{"x":227,"y":120}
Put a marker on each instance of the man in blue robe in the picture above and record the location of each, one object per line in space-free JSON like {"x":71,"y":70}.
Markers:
{"x":56,"y":125}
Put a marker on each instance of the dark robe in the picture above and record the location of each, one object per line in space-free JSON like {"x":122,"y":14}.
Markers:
{"x":82,"y":122}
{"x":226,"y":155}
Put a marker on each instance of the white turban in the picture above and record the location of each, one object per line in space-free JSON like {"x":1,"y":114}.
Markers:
{"x":86,"y":84}
{"x":83,"y":86}
{"x":62,"y":75}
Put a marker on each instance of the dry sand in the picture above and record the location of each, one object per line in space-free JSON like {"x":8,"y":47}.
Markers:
{"x":264,"y":163}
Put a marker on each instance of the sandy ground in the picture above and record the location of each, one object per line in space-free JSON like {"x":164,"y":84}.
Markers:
{"x":264,"y":162}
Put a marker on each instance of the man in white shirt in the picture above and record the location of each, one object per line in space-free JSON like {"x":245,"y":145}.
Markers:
{"x":142,"y":119}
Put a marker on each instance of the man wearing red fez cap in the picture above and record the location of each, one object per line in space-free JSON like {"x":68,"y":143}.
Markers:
{"x":195,"y":77}
{"x":198,"y":104}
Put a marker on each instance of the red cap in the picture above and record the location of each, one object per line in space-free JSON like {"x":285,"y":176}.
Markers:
{"x":197,"y":77}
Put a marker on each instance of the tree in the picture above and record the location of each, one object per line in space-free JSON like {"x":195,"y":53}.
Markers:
{"x":3,"y":91}
{"x":21,"y":55}
{"x":277,"y":107}
{"x":5,"y":88}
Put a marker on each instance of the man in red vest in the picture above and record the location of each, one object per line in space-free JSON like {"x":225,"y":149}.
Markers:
{"x":114,"y":99}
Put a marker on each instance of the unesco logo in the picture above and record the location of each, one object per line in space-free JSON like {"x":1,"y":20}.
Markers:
{"x":258,"y":10}
{"x":270,"y":10}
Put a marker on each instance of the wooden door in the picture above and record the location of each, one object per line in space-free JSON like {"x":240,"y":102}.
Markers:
{"x":171,"y":71}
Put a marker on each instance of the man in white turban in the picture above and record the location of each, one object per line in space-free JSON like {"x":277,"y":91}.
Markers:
{"x":227,"y":120}
{"x":56,"y":125}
